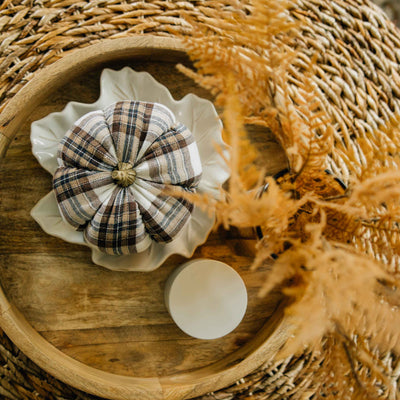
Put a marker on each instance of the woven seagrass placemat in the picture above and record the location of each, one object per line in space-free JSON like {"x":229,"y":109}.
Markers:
{"x":35,"y":33}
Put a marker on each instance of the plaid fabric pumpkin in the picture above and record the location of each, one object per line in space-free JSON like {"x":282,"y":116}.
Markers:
{"x":114,"y":167}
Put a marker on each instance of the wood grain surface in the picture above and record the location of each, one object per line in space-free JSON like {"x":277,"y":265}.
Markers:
{"x":115,"y":322}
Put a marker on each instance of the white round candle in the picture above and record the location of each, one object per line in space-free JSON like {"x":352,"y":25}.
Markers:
{"x":207,"y":299}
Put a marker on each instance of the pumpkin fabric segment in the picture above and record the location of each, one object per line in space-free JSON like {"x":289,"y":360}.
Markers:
{"x":114,"y":167}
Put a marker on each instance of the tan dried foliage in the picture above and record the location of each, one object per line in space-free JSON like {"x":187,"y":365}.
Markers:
{"x":349,"y":369}
{"x":335,"y":288}
{"x":338,"y":245}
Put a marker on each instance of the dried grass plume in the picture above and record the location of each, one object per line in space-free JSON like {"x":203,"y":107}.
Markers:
{"x":337,"y":243}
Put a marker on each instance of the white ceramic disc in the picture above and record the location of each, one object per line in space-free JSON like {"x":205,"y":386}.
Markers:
{"x":207,"y":299}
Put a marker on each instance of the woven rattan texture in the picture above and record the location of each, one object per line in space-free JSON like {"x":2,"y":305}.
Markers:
{"x":358,"y":74}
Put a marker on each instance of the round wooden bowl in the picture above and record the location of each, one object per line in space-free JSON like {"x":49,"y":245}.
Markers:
{"x":109,"y":333}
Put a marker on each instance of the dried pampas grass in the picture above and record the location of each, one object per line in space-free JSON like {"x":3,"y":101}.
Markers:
{"x":337,"y":244}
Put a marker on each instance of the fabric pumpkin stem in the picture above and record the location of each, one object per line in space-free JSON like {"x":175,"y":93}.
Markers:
{"x":125,"y":175}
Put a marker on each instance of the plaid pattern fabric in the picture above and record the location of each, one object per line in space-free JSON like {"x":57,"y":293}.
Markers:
{"x":123,"y":220}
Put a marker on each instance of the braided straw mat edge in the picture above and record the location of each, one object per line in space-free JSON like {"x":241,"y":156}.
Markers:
{"x":358,"y":74}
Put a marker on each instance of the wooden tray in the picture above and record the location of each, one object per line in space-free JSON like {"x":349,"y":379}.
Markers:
{"x":109,"y":333}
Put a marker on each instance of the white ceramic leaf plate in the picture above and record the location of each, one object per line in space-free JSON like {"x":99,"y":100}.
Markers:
{"x":197,"y":114}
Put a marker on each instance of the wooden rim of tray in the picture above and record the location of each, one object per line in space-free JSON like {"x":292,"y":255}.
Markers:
{"x":184,"y":385}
